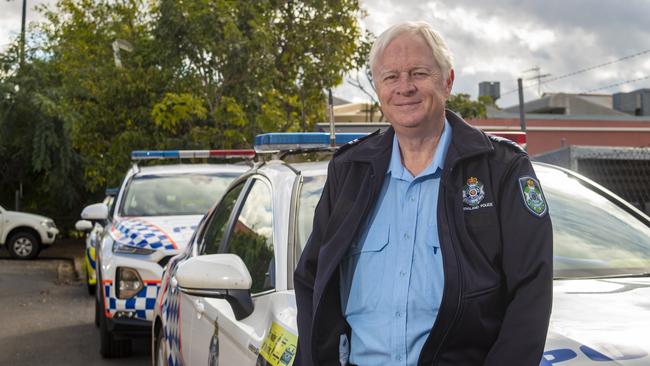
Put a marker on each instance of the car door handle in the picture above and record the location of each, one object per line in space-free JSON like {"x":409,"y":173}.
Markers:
{"x":200,"y":308}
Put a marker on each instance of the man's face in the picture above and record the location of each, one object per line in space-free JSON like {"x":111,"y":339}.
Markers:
{"x":411,"y":87}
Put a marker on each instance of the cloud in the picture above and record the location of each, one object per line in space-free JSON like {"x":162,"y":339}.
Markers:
{"x":10,"y":18}
{"x":497,"y":40}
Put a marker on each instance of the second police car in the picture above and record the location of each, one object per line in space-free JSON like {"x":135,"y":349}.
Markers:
{"x":93,"y":232}
{"x":229,"y":299}
{"x":154,"y":214}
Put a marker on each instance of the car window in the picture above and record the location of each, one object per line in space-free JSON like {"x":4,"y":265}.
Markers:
{"x":216,"y":228}
{"x":310,"y":192}
{"x":592,"y":236}
{"x":252,"y":237}
{"x":178,"y":194}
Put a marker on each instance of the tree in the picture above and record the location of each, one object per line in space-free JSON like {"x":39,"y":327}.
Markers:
{"x":201,"y":74}
{"x":270,"y":60}
{"x":36,"y":152}
{"x":467,"y":108}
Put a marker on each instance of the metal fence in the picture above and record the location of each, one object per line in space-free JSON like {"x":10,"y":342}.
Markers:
{"x":625,"y":171}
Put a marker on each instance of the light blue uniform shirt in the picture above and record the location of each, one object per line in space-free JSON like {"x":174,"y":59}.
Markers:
{"x":392,"y":277}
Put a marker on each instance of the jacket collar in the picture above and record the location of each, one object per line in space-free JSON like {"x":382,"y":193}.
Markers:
{"x":466,"y":141}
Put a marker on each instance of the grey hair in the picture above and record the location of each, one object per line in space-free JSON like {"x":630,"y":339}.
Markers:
{"x":440,"y":51}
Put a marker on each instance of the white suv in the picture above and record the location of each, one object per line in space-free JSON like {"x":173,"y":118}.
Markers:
{"x":155,"y":213}
{"x":25,"y":234}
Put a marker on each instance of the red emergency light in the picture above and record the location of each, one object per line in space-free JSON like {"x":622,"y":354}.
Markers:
{"x":515,"y":136}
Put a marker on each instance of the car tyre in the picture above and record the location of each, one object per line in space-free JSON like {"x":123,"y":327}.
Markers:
{"x":24,"y":245}
{"x":91,"y":288}
{"x":109,"y":347}
{"x":97,"y":313}
{"x":160,"y":350}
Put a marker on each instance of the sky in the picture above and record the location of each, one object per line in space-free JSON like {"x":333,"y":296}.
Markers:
{"x":498,"y":40}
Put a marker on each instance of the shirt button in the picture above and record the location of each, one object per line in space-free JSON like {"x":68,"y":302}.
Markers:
{"x":412,"y":198}
{"x":398,"y":314}
{"x":399,"y":357}
{"x":407,"y":236}
{"x":402,"y":273}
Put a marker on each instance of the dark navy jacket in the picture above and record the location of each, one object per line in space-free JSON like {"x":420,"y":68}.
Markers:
{"x":497,"y":258}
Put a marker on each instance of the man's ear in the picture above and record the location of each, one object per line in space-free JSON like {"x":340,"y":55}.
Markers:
{"x":450,"y":81}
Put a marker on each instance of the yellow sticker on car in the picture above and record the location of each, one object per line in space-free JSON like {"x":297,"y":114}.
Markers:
{"x":278,"y":348}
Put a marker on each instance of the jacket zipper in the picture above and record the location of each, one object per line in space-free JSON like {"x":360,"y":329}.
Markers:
{"x":460,"y":278}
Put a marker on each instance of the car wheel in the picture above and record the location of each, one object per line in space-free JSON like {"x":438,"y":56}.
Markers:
{"x":97,"y":312}
{"x":23,"y":245}
{"x":109,"y":347}
{"x":91,"y":288}
{"x":160,"y":352}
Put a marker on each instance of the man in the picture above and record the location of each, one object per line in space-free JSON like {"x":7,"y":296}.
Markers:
{"x":427,"y":246}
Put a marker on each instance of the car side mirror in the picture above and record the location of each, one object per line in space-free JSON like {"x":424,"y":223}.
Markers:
{"x":95,"y":212}
{"x":221,"y":276}
{"x":83,"y":225}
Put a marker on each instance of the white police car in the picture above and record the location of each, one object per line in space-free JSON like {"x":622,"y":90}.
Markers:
{"x":93,"y":232}
{"x":155,"y":213}
{"x":229,"y":299}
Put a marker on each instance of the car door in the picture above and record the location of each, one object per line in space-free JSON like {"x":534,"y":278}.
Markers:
{"x":1,"y":222}
{"x":217,"y":336}
{"x":208,"y":242}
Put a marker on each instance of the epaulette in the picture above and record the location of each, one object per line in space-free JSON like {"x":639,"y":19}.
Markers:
{"x":515,"y":146}
{"x":354,"y":142}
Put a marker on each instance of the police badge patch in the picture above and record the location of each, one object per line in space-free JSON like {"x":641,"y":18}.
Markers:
{"x":473,"y":192}
{"x":531,"y":192}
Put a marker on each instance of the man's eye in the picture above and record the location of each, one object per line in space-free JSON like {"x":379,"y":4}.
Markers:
{"x":390,"y":77}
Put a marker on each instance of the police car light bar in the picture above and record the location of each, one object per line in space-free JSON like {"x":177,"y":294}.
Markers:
{"x":515,"y":136}
{"x":111,"y":191}
{"x":284,"y":141}
{"x":190,"y":154}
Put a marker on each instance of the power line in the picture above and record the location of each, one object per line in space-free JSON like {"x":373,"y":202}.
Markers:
{"x":582,"y":71}
{"x":618,"y":84}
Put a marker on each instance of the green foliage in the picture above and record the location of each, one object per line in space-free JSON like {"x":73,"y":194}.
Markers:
{"x":467,"y":108}
{"x":201,"y":74}
{"x":175,"y":109}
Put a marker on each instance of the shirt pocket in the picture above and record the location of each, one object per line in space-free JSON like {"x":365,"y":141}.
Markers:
{"x":364,"y":269}
{"x":432,"y":239}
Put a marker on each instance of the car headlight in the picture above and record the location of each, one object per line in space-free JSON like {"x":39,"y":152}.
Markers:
{"x":128,"y":282}
{"x":49,"y":224}
{"x":122,"y":248}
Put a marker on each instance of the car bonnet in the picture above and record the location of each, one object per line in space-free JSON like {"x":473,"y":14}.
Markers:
{"x":169,"y":234}
{"x":599,"y":322}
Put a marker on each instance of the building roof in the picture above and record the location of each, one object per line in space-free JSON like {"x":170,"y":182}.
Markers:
{"x":570,"y":104}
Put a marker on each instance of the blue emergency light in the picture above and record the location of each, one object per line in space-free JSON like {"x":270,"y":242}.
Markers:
{"x":284,"y":141}
{"x":111,"y":191}
{"x":191,"y":154}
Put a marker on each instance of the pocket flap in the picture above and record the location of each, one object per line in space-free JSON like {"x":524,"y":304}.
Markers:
{"x":375,"y":240}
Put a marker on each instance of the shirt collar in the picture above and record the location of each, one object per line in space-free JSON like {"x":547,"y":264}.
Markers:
{"x":397,"y":169}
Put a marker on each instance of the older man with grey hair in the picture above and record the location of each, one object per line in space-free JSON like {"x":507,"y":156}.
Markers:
{"x":431,"y":243}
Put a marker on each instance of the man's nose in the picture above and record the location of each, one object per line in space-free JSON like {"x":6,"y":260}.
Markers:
{"x":405,"y":85}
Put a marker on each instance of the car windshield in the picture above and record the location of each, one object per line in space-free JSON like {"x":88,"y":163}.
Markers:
{"x":179,"y":194}
{"x":593,"y":237}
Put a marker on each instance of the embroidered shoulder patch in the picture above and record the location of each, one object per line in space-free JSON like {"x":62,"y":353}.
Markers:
{"x":531,"y":193}
{"x":473,"y":192}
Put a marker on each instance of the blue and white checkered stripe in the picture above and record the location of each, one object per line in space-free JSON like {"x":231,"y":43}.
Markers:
{"x":143,"y":303}
{"x":139,"y":233}
{"x":171,"y":315}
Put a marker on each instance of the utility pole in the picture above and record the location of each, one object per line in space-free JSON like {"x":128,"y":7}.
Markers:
{"x":522,"y":113}
{"x":330,"y":111}
{"x":539,"y":76}
{"x":22,"y":35}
